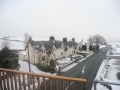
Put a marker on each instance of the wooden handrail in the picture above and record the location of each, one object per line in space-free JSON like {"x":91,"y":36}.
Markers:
{"x":46,"y":76}
{"x":29,"y":80}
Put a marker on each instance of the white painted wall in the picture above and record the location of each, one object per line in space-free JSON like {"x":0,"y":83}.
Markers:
{"x":36,"y":57}
{"x":32,"y":54}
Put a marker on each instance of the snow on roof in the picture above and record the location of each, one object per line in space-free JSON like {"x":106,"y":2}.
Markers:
{"x":39,"y":39}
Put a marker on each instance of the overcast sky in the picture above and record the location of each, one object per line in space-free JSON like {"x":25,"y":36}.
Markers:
{"x":61,"y":18}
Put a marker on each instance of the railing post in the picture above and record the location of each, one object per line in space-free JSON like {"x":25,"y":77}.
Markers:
{"x":95,"y":83}
{"x":13,"y":76}
{"x":105,"y":83}
{"x":0,"y":81}
{"x":84,"y":86}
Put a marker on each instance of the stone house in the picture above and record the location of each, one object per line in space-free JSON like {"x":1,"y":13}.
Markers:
{"x":44,"y":51}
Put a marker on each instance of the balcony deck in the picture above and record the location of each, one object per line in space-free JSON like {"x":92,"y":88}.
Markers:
{"x":19,"y":80}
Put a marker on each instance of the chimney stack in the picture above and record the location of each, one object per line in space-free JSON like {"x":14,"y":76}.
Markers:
{"x":65,"y":40}
{"x":73,"y":39}
{"x":52,"y":39}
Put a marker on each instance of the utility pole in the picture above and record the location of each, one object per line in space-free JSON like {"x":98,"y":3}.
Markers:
{"x":29,"y":61}
{"x":29,"y":58}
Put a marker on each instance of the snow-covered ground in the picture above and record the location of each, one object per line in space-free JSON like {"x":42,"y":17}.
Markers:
{"x":14,"y":42}
{"x":74,"y":64}
{"x":112,"y":71}
{"x":69,"y":67}
{"x":18,"y":42}
{"x":63,"y":61}
{"x":99,"y":73}
{"x":113,"y":68}
{"x":66,"y":61}
{"x":102,"y":46}
{"x":111,"y":75}
{"x":24,"y":67}
{"x":115,"y":49}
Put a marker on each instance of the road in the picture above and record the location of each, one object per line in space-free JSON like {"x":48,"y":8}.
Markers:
{"x":87,"y":69}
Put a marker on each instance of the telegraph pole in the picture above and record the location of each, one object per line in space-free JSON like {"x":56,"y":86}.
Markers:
{"x":29,"y":58}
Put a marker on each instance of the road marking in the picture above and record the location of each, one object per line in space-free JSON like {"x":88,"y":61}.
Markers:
{"x":83,"y":69}
{"x":90,"y":62}
{"x":68,"y":86}
{"x":94,"y":58}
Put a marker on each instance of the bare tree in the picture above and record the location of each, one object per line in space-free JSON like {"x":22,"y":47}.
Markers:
{"x":98,"y":39}
{"x":90,"y":40}
{"x":5,"y":43}
{"x":26,"y":38}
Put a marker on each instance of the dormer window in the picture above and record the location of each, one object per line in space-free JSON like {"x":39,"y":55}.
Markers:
{"x":43,"y":50}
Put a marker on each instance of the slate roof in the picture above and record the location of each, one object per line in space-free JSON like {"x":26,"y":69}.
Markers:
{"x":71,"y":43}
{"x":49,"y":45}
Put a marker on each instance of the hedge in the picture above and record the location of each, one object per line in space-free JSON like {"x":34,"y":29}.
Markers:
{"x":43,"y":67}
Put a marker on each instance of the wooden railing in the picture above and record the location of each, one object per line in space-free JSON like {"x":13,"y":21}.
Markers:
{"x":19,"y":80}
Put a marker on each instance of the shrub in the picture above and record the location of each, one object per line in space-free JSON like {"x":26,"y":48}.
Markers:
{"x":43,"y":67}
{"x":84,"y":47}
{"x":8,"y":58}
{"x":90,"y":47}
{"x":52,"y":65}
{"x":118,"y":75}
{"x":46,"y":68}
{"x":97,"y":47}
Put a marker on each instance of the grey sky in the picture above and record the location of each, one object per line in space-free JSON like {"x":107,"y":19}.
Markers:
{"x":61,"y":18}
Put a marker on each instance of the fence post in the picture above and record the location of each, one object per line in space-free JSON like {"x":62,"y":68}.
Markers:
{"x":0,"y":80}
{"x":95,"y":83}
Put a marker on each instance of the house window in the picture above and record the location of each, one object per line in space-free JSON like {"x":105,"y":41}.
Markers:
{"x":43,"y":57}
{"x":61,"y":53}
{"x":43,"y":50}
